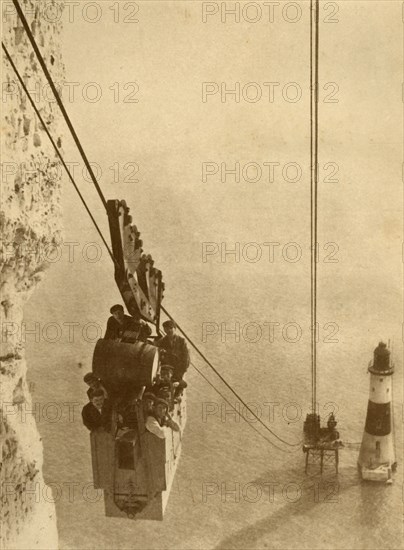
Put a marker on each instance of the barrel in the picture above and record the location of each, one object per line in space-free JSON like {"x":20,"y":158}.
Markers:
{"x":121,"y":365}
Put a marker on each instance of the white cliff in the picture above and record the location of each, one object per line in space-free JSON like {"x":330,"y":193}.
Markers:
{"x":30,"y":222}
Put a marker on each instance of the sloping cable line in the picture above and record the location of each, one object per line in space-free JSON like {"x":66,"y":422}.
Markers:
{"x":57,"y":150}
{"x":58,"y":99}
{"x":226,"y":383}
{"x":239,"y":413}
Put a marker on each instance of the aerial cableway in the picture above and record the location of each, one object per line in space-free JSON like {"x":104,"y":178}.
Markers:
{"x":116,"y":210}
{"x":133,"y":467}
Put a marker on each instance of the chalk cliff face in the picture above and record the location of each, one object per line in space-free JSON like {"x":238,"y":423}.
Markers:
{"x":30,"y":224}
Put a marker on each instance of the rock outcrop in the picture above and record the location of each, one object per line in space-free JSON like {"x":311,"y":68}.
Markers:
{"x":30,"y":224}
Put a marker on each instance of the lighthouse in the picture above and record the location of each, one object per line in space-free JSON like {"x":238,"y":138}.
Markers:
{"x":377,"y":456}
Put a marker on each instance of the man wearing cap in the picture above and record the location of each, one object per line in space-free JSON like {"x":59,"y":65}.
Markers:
{"x":159,"y":420}
{"x":94,"y":384}
{"x":148,"y":403}
{"x":176,"y":350}
{"x":164,"y":387}
{"x":125,"y":328}
{"x":97,"y":414}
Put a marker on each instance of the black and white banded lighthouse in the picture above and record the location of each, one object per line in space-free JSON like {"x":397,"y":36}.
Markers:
{"x":377,"y":449}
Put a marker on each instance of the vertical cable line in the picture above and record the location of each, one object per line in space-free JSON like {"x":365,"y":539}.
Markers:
{"x":402,"y":179}
{"x":58,"y":99}
{"x":311,"y":203}
{"x":314,"y":53}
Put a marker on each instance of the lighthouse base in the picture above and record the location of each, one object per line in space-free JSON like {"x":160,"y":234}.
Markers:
{"x":382,"y":473}
{"x":376,"y":451}
{"x":376,"y":460}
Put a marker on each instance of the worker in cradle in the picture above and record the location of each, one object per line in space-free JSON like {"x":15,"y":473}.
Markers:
{"x":164,"y":387}
{"x":124,"y":328}
{"x":159,"y":420}
{"x":148,"y":403}
{"x":97,"y":414}
{"x":94,"y":384}
{"x":175,"y":353}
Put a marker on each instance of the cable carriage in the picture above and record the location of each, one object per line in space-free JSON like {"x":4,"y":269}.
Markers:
{"x":133,"y":466}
